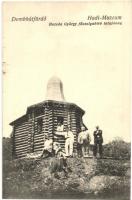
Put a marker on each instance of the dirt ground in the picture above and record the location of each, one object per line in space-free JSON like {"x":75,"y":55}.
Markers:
{"x":87,"y":178}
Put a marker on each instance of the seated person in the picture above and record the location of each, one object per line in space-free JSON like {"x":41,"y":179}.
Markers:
{"x":59,"y":163}
{"x":48,"y":149}
{"x":58,"y":152}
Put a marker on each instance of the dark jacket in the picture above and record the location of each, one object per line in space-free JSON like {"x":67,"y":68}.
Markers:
{"x":98,"y":139}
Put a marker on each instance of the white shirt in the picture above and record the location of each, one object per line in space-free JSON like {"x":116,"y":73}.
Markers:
{"x":84,"y":135}
{"x":69,"y":135}
{"x":48,"y":145}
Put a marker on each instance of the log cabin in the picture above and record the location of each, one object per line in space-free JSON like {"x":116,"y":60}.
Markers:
{"x":40,"y":122}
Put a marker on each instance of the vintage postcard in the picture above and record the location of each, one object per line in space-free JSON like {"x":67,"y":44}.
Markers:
{"x":66,"y":100}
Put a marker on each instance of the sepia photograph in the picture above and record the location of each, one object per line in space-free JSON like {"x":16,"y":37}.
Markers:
{"x":66,"y":100}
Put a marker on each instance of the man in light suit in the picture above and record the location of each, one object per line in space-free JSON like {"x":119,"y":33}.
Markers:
{"x":69,"y":140}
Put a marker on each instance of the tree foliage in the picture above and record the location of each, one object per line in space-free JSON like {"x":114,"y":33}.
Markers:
{"x":118,"y":149}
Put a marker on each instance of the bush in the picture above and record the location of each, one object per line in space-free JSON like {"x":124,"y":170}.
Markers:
{"x":112,"y":167}
{"x":7,"y":149}
{"x":118,"y":149}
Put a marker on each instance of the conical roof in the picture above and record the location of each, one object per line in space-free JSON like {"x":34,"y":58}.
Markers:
{"x":55,"y":89}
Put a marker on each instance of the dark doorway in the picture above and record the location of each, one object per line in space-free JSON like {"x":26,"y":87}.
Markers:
{"x":60,"y":120}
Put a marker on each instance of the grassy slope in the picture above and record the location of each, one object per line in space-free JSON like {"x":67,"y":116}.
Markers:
{"x":31,"y":178}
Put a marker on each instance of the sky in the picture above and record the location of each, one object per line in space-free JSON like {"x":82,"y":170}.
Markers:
{"x":93,"y":62}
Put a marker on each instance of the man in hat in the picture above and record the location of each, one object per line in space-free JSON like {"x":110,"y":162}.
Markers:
{"x":84,"y":141}
{"x":98,"y":141}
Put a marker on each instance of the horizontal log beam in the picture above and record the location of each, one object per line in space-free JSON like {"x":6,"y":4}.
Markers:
{"x":22,"y":129}
{"x":23,"y":137}
{"x":21,"y":147}
{"x":21,"y":126}
{"x":21,"y":153}
{"x":20,"y":142}
{"x":38,"y":140}
{"x":39,"y":136}
{"x":40,"y":148}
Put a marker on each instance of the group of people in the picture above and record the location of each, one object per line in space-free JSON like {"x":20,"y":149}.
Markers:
{"x":83,"y":143}
{"x":53,"y":149}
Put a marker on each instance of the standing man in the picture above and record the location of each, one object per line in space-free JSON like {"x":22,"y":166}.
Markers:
{"x":98,"y":141}
{"x":84,"y":141}
{"x":69,"y":141}
{"x":59,"y":132}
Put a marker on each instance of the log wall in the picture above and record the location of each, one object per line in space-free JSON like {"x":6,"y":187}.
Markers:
{"x":38,"y":135}
{"x":20,"y":143}
{"x":27,"y":138}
